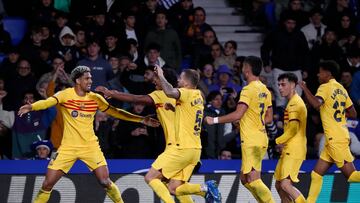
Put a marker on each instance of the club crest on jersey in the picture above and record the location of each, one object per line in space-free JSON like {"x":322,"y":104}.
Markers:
{"x":82,"y":106}
{"x":74,"y":113}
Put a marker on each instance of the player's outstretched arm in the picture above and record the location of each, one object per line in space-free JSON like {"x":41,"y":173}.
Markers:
{"x":127,"y":116}
{"x":39,"y":105}
{"x":231,"y":117}
{"x":125,"y":97}
{"x":314,"y":101}
{"x":169,"y":90}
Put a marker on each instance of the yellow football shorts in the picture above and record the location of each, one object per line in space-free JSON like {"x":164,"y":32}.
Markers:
{"x":177,"y":163}
{"x":252,"y":157}
{"x":287,"y":166}
{"x":66,"y":157}
{"x":337,"y":153}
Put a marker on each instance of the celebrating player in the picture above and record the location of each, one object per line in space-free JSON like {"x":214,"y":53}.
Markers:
{"x":79,"y":106}
{"x":293,"y":142}
{"x":335,"y":105}
{"x":254,"y":111}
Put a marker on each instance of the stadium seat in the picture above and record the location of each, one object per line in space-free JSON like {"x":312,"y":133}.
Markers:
{"x":17,"y":27}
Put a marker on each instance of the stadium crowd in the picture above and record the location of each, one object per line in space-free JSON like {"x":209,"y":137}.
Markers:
{"x":122,"y":41}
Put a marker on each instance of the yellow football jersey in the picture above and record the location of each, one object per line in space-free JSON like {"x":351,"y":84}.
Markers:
{"x":78,"y":114}
{"x":166,"y":117}
{"x":189,"y":113}
{"x":332,"y":111}
{"x":252,"y":125}
{"x":295,"y":146}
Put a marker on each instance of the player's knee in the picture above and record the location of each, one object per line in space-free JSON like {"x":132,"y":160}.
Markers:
{"x":148,"y":178}
{"x":106,"y":182}
{"x":284,"y":185}
{"x":277,"y":186}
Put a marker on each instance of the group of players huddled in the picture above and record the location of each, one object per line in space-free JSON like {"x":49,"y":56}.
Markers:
{"x":179,"y":108}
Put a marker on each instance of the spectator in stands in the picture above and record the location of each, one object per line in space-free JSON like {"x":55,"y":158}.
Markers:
{"x":202,"y":50}
{"x":131,"y":31}
{"x":327,"y":49}
{"x":9,"y":64}
{"x":229,"y":55}
{"x":147,"y":16}
{"x":237,"y":71}
{"x":315,"y":29}
{"x":48,"y":37}
{"x":5,"y":39}
{"x":100,"y":69}
{"x":346,"y":31}
{"x":214,"y":133}
{"x":167,"y":39}
{"x":7,"y":119}
{"x":215,"y":54}
{"x":44,"y":12}
{"x":295,"y":9}
{"x":195,"y":30}
{"x":351,"y":61}
{"x":61,"y":20}
{"x":334,"y":12}
{"x":16,"y":85}
{"x":67,"y":48}
{"x":207,"y":75}
{"x":28,"y":128}
{"x":285,"y":50}
{"x":112,"y":47}
{"x":31,"y":49}
{"x":42,"y":149}
{"x":225,"y":154}
{"x":80,"y":44}
{"x":224,"y":83}
{"x":346,"y":79}
{"x":62,"y":77}
{"x":132,"y":50}
{"x":355,"y":90}
{"x":99,"y":26}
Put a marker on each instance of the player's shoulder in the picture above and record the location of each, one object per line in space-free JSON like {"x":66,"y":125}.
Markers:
{"x":66,"y":92}
{"x":297,"y":102}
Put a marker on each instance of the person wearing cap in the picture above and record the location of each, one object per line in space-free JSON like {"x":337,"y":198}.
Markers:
{"x":42,"y":149}
{"x":224,"y":83}
{"x":78,"y":107}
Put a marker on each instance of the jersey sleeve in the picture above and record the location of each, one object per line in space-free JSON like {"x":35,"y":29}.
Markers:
{"x":245,"y":96}
{"x":268,"y":101}
{"x":348,"y":103}
{"x":155,"y":97}
{"x":322,"y":92}
{"x":103,"y":105}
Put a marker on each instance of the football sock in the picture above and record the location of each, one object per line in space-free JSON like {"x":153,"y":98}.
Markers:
{"x":315,"y":187}
{"x":42,"y":196}
{"x":354,"y":177}
{"x":262,"y":191}
{"x":114,"y":194}
{"x":161,"y":190}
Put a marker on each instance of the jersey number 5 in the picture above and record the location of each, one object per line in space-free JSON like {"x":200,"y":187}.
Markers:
{"x":262,"y":107}
{"x":339,"y":109}
{"x":198,"y":121}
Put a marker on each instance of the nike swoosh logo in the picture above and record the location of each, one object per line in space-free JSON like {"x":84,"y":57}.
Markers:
{"x":98,"y":162}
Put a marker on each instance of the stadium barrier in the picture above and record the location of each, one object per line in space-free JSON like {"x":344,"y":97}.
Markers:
{"x":20,"y":181}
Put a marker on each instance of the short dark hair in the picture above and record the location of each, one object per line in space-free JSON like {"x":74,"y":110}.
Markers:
{"x":78,"y":72}
{"x":290,"y":76}
{"x":171,"y":76}
{"x":193,"y":76}
{"x":331,"y":66}
{"x":255,"y":63}
{"x":200,"y":9}
{"x":212,"y":95}
{"x":233,"y":43}
{"x":153,"y":46}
